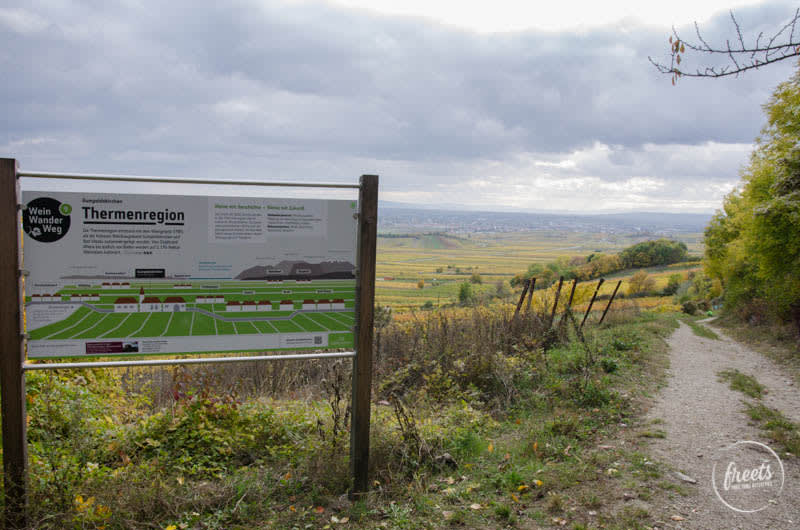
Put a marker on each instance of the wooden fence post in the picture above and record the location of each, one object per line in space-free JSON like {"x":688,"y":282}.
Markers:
{"x":530,"y":296}
{"x":525,"y":286}
{"x":12,"y":350}
{"x":555,"y":304}
{"x":609,"y":302}
{"x":365,"y":308}
{"x":569,"y":303}
{"x":591,"y":303}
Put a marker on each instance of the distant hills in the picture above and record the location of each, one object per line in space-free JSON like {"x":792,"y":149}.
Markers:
{"x":393,"y":217}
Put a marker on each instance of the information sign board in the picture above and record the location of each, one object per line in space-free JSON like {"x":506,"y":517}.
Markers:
{"x":123,"y":274}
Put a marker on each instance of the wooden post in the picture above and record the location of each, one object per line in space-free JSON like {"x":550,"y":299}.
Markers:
{"x":569,"y":303}
{"x":555,"y":304}
{"x":12,"y":350}
{"x":609,"y":302}
{"x":572,"y":292}
{"x":530,"y":296}
{"x":591,"y":303}
{"x":365,"y":308}
{"x":521,"y":298}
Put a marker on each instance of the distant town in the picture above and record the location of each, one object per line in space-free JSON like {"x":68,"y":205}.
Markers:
{"x":404,"y":220}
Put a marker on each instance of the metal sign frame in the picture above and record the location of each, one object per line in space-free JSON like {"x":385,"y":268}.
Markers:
{"x":13,"y":363}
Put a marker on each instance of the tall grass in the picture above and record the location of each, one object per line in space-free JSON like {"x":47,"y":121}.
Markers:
{"x":237,"y":446}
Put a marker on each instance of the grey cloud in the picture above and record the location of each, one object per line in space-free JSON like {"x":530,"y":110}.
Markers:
{"x":297,"y":87}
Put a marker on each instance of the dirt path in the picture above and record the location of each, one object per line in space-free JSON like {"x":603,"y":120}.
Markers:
{"x":702,"y":415}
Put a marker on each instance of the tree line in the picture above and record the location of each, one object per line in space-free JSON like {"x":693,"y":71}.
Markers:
{"x":650,"y":253}
{"x":753,"y":244}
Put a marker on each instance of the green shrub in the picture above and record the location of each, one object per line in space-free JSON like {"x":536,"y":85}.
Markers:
{"x":609,"y":365}
{"x":673,"y":284}
{"x":465,"y":294}
{"x":207,"y":437}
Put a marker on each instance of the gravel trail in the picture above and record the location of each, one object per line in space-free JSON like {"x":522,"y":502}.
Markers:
{"x":702,"y":415}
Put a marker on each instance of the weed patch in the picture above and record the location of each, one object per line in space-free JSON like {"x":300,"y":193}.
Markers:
{"x":743,"y":383}
{"x":700,"y":330}
{"x":776,"y":425}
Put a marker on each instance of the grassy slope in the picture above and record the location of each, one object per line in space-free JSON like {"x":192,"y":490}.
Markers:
{"x":534,"y":457}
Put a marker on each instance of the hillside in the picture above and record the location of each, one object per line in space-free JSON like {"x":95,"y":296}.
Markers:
{"x":442,"y":261}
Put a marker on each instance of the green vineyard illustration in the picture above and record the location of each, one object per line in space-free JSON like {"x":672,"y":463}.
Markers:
{"x":125,"y":309}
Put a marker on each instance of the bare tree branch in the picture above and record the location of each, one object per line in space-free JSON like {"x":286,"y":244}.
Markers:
{"x":738,"y":30}
{"x":740,"y":55}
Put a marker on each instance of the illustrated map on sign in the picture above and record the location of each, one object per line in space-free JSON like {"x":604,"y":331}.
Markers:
{"x":118,"y":310}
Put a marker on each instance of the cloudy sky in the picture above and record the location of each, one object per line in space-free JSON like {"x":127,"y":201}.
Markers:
{"x":495,"y":105}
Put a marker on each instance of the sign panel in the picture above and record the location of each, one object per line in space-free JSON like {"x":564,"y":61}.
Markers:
{"x":119,"y":274}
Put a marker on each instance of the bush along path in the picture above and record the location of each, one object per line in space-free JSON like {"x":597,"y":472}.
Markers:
{"x":718,"y":393}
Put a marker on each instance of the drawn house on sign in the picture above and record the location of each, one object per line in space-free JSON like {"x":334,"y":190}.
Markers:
{"x":338,"y":304}
{"x":233,"y":305}
{"x":324,"y":305}
{"x":264,"y":305}
{"x":174,"y":303}
{"x":209,"y":299}
{"x":249,"y":305}
{"x":309,"y":304}
{"x":287,"y":305}
{"x":126,"y":304}
{"x":151,"y":304}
